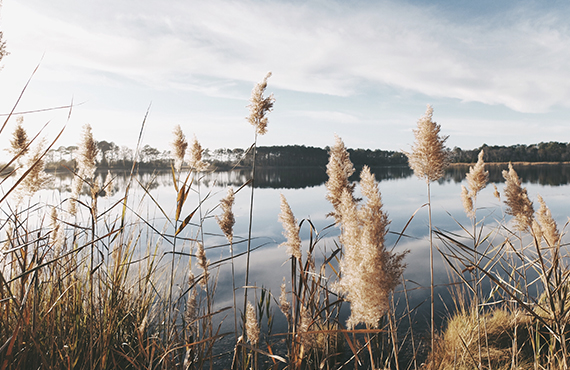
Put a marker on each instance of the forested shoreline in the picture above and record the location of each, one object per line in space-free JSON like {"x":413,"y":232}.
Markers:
{"x":112,"y":156}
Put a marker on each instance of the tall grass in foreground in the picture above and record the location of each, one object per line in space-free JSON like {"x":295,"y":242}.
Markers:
{"x":86,"y":287}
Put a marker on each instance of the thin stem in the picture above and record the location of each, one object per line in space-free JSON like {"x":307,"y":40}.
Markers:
{"x":169,"y":309}
{"x":410,"y":323}
{"x":250,"y":226}
{"x":432,"y":321}
{"x":234,"y":290}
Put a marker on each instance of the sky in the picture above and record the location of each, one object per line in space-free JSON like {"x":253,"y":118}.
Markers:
{"x":495,"y":72}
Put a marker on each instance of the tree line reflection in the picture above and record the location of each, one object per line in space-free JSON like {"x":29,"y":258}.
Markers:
{"x":305,"y":177}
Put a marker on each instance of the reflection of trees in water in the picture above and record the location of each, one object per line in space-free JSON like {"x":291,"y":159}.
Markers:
{"x":302,"y":177}
{"x":543,"y":174}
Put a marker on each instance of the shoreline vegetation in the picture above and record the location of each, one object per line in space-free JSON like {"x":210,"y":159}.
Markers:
{"x":111,"y":156}
{"x":87,"y":287}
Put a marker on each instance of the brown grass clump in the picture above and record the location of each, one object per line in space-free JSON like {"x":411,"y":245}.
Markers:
{"x":506,"y":332}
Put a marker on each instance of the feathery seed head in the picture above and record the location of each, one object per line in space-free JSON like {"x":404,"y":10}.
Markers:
{"x":496,"y":192}
{"x":19,"y":141}
{"x":429,"y":157}
{"x":291,"y":229}
{"x":57,"y":232}
{"x":251,"y":325}
{"x":339,"y":169}
{"x":227,"y":220}
{"x":76,"y":187}
{"x":179,"y":146}
{"x":307,"y":340}
{"x":477,"y":177}
{"x":548,"y":227}
{"x":203,"y":263}
{"x":87,"y":154}
{"x":192,"y":302}
{"x":260,"y":106}
{"x":518,"y":204}
{"x":196,"y":156}
{"x":373,"y":219}
{"x":369,"y":271}
{"x":467,"y":202}
{"x":284,"y":304}
{"x":36,"y":179}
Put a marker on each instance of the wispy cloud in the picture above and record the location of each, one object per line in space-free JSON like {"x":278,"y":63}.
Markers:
{"x":517,"y":58}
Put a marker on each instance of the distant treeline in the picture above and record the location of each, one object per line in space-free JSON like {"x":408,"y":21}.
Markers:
{"x":115,"y":157}
{"x":543,"y":152}
{"x":303,"y":156}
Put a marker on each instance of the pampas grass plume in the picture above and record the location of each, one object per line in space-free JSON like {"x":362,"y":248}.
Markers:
{"x":260,"y":106}
{"x":203,"y":263}
{"x":251,"y":325}
{"x":496,"y":192}
{"x":284,"y":304}
{"x":196,"y":156}
{"x":429,"y":157}
{"x":517,"y":202}
{"x":369,"y":271}
{"x":467,"y":202}
{"x":548,"y":227}
{"x":339,"y":169}
{"x":86,"y":165}
{"x":291,"y":229}
{"x":477,"y":177}
{"x":179,"y":146}
{"x":227,"y":220}
{"x":36,"y":179}
{"x":87,"y":158}
{"x":19,"y":141}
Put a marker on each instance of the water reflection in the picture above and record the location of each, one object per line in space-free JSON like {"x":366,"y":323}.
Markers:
{"x":305,"y":177}
{"x":542,"y":174}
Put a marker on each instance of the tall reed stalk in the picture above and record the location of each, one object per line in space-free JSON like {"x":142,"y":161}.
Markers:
{"x":428,"y":159}
{"x":259,"y":107}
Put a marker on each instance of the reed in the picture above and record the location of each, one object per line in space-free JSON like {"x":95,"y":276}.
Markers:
{"x":428,"y":160}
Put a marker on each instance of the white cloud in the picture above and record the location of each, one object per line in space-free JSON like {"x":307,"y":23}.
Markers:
{"x":517,"y":59}
{"x":327,"y":116}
